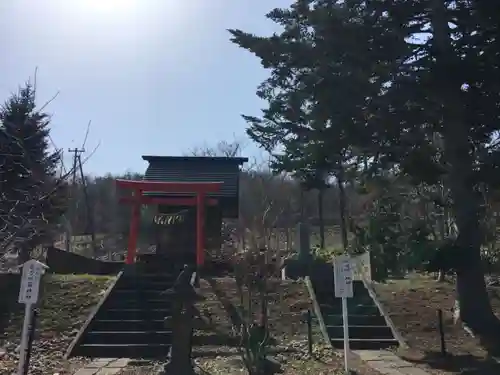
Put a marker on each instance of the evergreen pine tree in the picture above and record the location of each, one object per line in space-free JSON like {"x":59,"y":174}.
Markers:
{"x":379,"y":79}
{"x":33,"y":196}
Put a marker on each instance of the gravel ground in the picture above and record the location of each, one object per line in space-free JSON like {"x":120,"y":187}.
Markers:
{"x":292,"y":359}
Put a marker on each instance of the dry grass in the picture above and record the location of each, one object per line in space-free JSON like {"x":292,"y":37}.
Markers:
{"x":66,"y":303}
{"x":413,"y":305}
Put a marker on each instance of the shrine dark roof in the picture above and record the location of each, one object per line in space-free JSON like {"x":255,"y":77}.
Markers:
{"x":195,"y":159}
{"x":197,"y":169}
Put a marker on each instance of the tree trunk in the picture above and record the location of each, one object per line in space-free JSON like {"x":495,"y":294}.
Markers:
{"x":443,"y":232}
{"x":301,"y":204}
{"x":321,"y":219}
{"x":343,"y":213}
{"x":472,"y":297}
{"x":442,"y":215}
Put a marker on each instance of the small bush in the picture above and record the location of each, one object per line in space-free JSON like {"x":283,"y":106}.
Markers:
{"x":325,"y":254}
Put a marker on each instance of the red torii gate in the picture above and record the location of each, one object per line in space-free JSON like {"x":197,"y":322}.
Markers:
{"x":199,"y":189}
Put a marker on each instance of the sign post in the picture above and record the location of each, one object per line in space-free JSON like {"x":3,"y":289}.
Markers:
{"x":343,"y":276}
{"x":32,"y":272}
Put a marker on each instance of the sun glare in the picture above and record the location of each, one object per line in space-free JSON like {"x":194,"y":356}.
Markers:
{"x":106,"y":7}
{"x":115,"y":21}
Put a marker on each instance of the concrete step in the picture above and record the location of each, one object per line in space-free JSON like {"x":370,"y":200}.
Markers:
{"x":361,"y":332}
{"x":159,"y":267}
{"x":325,"y":287}
{"x":365,"y":344}
{"x":330,"y":296}
{"x":367,"y":327}
{"x":332,"y":300}
{"x":128,"y":325}
{"x":143,"y":294}
{"x":135,"y":320}
{"x":366,"y":300}
{"x":355,"y":320}
{"x":129,"y":337}
{"x":153,"y":282}
{"x":145,"y":351}
{"x":133,"y":314}
{"x":141,"y":325}
{"x":134,"y":303}
{"x":156,"y":276}
{"x":372,"y":309}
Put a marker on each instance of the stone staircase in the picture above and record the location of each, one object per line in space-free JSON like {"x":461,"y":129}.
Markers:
{"x":368,"y":328}
{"x":130,"y":320}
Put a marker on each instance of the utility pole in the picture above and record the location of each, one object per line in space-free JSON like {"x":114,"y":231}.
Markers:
{"x":76,"y":156}
{"x":90,"y":214}
{"x":73,"y":204}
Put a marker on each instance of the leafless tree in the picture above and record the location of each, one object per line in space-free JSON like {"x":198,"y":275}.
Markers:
{"x":251,"y":276}
{"x":267,"y":204}
{"x":229,"y":149}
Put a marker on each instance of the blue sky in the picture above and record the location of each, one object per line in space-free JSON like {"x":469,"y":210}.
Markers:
{"x":154,"y":76}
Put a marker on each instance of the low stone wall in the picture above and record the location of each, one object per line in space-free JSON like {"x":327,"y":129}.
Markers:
{"x":63,"y":262}
{"x":323,"y":271}
{"x":9,"y":292}
{"x":318,"y":271}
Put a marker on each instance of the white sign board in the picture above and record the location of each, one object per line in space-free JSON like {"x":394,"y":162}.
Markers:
{"x":30,"y":281}
{"x":343,"y":276}
{"x":28,"y":294}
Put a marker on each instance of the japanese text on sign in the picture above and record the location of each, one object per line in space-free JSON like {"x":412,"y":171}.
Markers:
{"x":30,"y":282}
{"x":343,"y":276}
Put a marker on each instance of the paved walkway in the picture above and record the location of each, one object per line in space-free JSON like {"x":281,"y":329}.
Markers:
{"x":387,"y":363}
{"x":104,"y":366}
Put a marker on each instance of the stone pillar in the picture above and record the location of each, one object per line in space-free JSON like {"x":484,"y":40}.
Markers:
{"x":303,"y":242}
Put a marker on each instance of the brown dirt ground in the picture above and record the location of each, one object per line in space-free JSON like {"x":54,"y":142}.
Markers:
{"x":413,"y":305}
{"x":66,"y":302}
{"x":288,"y":303}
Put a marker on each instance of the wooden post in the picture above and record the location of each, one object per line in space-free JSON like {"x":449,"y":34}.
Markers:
{"x":31,"y":337}
{"x":309,"y":333}
{"x":134,"y":227}
{"x":441,"y":333}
